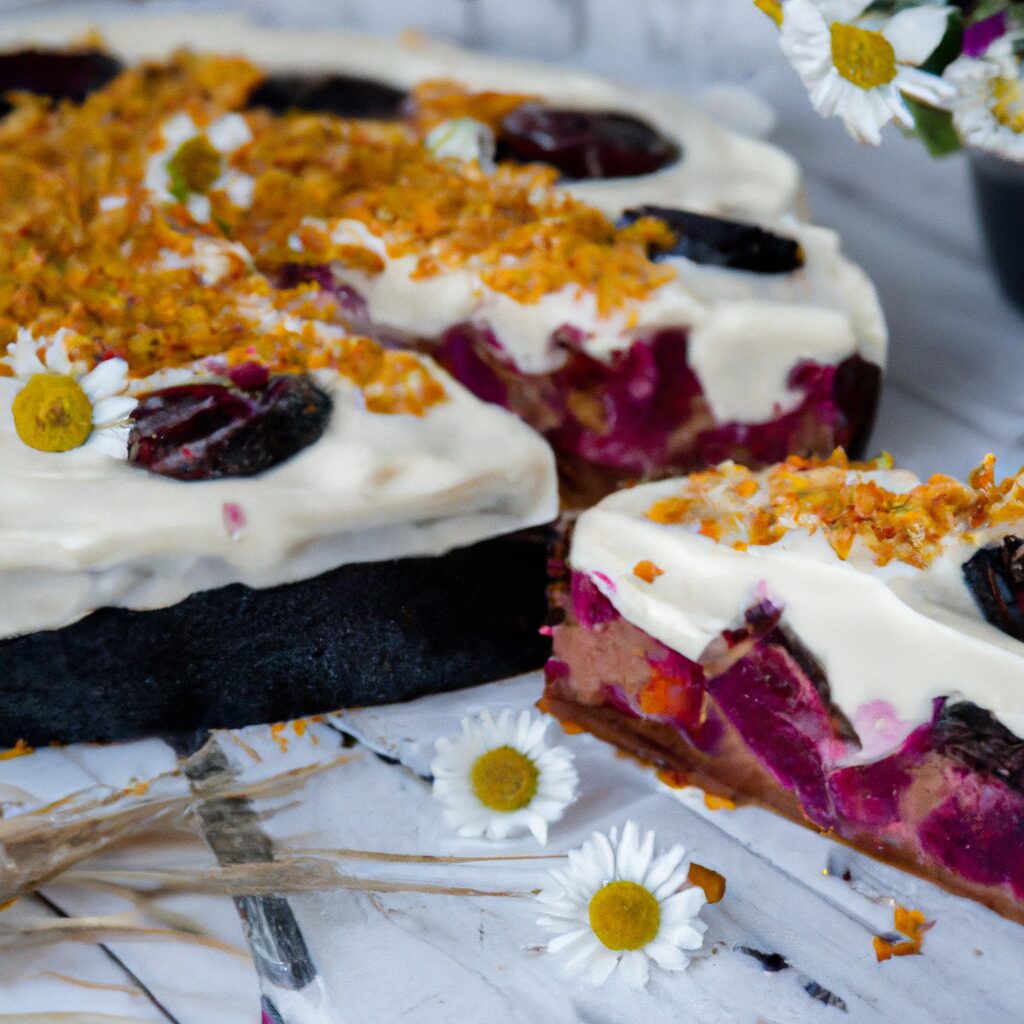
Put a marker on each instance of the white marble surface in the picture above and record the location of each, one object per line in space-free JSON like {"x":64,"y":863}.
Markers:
{"x":952,"y":394}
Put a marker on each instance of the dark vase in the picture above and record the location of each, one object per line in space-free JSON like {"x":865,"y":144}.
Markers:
{"x":999,"y":191}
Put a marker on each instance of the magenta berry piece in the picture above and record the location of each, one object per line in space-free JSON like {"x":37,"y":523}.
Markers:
{"x":341,"y":95}
{"x":585,"y":144}
{"x":59,"y":74}
{"x":717,"y":242}
{"x":207,"y":431}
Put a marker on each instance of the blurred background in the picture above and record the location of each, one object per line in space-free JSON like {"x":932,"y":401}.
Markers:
{"x":957,"y":346}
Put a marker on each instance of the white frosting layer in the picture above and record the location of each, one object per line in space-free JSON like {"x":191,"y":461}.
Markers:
{"x":897,"y":634}
{"x":747,"y":330}
{"x":81,"y":530}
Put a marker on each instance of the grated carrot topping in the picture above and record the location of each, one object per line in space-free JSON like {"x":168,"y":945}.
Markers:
{"x":647,"y":571}
{"x":837,"y":498}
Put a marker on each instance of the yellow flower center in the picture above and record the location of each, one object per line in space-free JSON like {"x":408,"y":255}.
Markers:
{"x":773,"y":8}
{"x":863,"y":57}
{"x":52,"y":413}
{"x":194,"y":167}
{"x":624,"y":915}
{"x":504,"y":779}
{"x":1008,"y":108}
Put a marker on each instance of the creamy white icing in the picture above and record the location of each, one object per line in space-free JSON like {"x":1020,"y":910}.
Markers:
{"x":747,"y":330}
{"x":891,"y":637}
{"x":81,"y":530}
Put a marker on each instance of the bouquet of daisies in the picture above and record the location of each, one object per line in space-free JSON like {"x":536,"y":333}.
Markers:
{"x":953,"y":73}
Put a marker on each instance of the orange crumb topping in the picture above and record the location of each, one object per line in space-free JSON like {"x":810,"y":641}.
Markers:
{"x":910,"y":923}
{"x":441,"y":99}
{"x":113,"y":273}
{"x":137,"y":789}
{"x":20,"y":749}
{"x":833,"y":496}
{"x":710,"y":881}
{"x":713,"y":802}
{"x":673,"y":779}
{"x":647,"y":571}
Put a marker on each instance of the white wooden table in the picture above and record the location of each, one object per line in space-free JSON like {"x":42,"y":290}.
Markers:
{"x":953,"y":393}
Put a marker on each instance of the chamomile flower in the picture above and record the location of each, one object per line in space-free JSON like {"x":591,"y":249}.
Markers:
{"x":60,"y":405}
{"x":618,"y":906}
{"x":193,"y":162}
{"x":988,"y":110}
{"x":463,"y":138}
{"x":859,"y":66}
{"x":500,"y":777}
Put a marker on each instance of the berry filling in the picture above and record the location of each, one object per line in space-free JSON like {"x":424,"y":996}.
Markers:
{"x":584,"y":144}
{"x":644,"y":414}
{"x":59,"y":74}
{"x":341,"y":95}
{"x":207,"y":431}
{"x":716,"y":242}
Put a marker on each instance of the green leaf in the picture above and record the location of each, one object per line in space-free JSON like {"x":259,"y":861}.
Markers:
{"x":949,"y":46}
{"x":934,"y":128}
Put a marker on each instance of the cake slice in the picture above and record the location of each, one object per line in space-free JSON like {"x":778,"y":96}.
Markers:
{"x":838,"y":642}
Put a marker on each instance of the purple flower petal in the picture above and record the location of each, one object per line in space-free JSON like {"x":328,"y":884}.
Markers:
{"x":982,"y":34}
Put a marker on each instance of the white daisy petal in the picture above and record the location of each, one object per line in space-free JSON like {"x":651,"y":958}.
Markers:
{"x":633,"y":969}
{"x":565,"y":942}
{"x":601,"y":967}
{"x":105,"y":380}
{"x":916,"y":32}
{"x":111,"y":411}
{"x":667,"y":956}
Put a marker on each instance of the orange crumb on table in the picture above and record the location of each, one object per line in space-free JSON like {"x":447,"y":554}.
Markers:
{"x":713,"y":802}
{"x":277,"y":731}
{"x":710,"y":881}
{"x":910,"y":923}
{"x":647,"y":571}
{"x":136,"y":789}
{"x":673,"y":779}
{"x":20,"y":749}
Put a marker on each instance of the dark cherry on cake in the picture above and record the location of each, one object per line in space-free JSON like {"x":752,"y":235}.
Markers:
{"x":58,"y":74}
{"x":584,"y":144}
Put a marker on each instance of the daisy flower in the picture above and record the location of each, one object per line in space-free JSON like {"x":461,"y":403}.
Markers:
{"x":500,"y":777}
{"x":59,"y":405}
{"x":860,"y":67}
{"x":618,"y":906}
{"x":463,"y":138}
{"x":193,"y":162}
{"x":988,"y":110}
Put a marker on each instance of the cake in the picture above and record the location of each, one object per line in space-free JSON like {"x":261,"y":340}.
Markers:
{"x":263,"y":334}
{"x":839,"y":642}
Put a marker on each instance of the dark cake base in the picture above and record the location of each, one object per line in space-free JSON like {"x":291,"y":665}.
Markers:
{"x":361,"y":634}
